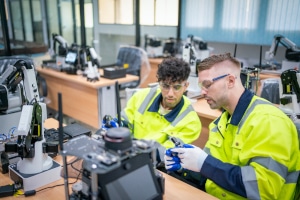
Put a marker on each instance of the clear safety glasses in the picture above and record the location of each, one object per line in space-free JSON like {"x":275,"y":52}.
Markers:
{"x":207,"y":83}
{"x":176,"y":88}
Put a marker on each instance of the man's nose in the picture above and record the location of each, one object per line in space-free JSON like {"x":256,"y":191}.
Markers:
{"x":203,"y":91}
{"x":171,"y":91}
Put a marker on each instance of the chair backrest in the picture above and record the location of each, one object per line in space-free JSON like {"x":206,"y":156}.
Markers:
{"x":270,"y":90}
{"x":137,"y":61}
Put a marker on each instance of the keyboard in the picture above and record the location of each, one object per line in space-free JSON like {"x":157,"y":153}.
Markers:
{"x":52,"y":135}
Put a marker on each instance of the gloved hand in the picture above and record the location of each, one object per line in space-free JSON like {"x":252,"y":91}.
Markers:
{"x":172,"y":161}
{"x":191,"y":158}
{"x":109,"y":122}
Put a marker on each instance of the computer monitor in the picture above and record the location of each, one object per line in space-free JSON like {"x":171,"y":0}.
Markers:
{"x":134,"y":180}
{"x":71,"y":57}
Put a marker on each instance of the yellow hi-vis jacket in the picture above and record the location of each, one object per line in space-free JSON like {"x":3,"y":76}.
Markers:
{"x":253,"y":154}
{"x":141,"y":116}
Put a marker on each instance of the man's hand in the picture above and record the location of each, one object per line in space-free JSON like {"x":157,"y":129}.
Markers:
{"x":190,"y":158}
{"x":172,"y":161}
{"x":109,"y":122}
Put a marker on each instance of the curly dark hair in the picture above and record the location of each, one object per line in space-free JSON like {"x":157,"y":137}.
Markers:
{"x":173,"y":70}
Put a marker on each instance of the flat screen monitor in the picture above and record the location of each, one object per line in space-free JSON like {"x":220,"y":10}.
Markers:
{"x":138,"y":185}
{"x":71,"y":57}
{"x":134,"y":180}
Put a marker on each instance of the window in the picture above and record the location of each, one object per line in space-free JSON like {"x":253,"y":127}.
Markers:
{"x":200,"y":13}
{"x":283,"y":15}
{"x":241,"y":21}
{"x":152,"y":12}
{"x":115,"y":11}
{"x":240,"y":15}
{"x":159,"y":12}
{"x":88,"y":18}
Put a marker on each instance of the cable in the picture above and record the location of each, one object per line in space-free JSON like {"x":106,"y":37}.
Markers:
{"x":33,"y":192}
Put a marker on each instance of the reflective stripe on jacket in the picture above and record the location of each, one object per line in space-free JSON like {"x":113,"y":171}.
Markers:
{"x":259,"y":152}
{"x":145,"y":122}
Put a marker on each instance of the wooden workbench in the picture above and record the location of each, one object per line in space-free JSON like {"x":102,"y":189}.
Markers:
{"x":82,"y":100}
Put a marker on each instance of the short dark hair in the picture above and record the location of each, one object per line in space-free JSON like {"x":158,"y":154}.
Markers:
{"x":173,"y":70}
{"x":207,"y":63}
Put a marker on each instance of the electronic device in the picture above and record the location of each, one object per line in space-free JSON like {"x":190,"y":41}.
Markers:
{"x":115,"y":166}
{"x":71,"y":57}
{"x":35,"y":168}
{"x":290,"y":92}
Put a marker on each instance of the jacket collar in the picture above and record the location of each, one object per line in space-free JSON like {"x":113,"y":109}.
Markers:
{"x":241,"y":107}
{"x":171,"y":115}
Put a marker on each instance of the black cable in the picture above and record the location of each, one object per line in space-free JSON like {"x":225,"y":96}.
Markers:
{"x":50,"y":187}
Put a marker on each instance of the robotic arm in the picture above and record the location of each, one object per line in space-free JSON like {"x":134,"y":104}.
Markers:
{"x":62,"y":48}
{"x":30,"y":131}
{"x":93,"y":63}
{"x":93,"y":57}
{"x":292,"y":53}
{"x":290,"y":91}
{"x":11,"y":87}
{"x":189,"y":53}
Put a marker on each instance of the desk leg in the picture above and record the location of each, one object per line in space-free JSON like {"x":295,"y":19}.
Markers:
{"x":107,"y":104}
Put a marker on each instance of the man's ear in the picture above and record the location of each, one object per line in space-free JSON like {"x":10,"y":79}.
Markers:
{"x":231,"y":80}
{"x":186,"y":86}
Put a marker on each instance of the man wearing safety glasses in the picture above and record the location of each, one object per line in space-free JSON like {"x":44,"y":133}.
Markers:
{"x":253,"y":147}
{"x":163,"y":112}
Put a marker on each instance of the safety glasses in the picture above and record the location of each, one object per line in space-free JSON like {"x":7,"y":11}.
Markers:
{"x":207,"y":83}
{"x":176,"y":88}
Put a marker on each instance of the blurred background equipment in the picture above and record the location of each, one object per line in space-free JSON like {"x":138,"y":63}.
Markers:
{"x":190,"y":55}
{"x":153,"y":46}
{"x":292,"y":55}
{"x":75,"y":59}
{"x":290,"y":92}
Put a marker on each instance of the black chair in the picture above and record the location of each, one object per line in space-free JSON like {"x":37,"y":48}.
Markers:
{"x":270,"y":90}
{"x":136,"y":59}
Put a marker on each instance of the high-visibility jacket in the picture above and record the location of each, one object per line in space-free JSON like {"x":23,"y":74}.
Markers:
{"x":253,"y":154}
{"x":145,"y":122}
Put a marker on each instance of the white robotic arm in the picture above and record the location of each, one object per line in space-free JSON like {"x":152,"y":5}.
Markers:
{"x":30,"y":130}
{"x":93,"y":63}
{"x":63,"y":45}
{"x":292,"y":52}
{"x":14,"y":78}
{"x":189,"y":53}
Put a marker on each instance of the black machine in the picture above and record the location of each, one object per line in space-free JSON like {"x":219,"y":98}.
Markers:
{"x":116,"y":167}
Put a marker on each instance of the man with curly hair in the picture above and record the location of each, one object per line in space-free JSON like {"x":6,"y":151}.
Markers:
{"x":162,"y":112}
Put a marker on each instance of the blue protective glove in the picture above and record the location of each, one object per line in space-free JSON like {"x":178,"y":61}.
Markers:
{"x":109,"y":122}
{"x":172,"y":161}
{"x":191,"y":158}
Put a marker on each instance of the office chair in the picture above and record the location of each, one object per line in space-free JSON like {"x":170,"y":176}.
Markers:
{"x":138,"y":64}
{"x":270,"y":89}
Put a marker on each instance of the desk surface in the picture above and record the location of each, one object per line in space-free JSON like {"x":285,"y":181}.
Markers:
{"x":174,"y":188}
{"x":203,"y":110}
{"x":79,"y":79}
